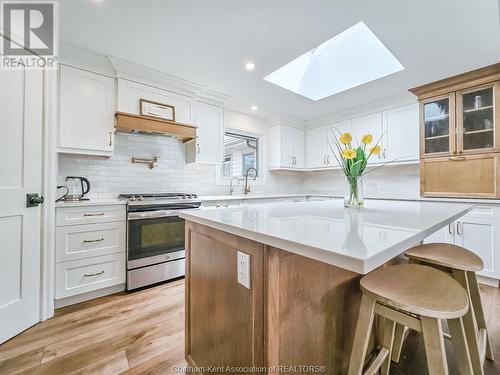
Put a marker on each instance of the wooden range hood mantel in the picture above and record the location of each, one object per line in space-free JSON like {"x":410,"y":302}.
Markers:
{"x":129,"y":123}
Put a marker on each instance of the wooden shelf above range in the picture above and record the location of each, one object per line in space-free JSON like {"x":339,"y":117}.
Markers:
{"x":129,"y":123}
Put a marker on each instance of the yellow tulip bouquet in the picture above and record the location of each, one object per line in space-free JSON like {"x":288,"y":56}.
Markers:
{"x":353,"y":161}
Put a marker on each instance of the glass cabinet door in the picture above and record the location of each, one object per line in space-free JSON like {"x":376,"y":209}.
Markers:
{"x":437,"y":125}
{"x":476,"y":118}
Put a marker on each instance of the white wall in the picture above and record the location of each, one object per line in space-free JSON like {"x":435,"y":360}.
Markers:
{"x":112,"y":176}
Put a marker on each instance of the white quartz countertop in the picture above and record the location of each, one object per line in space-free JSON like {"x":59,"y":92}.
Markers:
{"x":90,"y":202}
{"x":357,"y":240}
{"x":208,"y":198}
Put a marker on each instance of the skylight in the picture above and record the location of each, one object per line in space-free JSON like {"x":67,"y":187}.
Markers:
{"x":349,"y":59}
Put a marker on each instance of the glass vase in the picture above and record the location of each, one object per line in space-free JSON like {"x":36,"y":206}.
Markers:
{"x":354,"y":192}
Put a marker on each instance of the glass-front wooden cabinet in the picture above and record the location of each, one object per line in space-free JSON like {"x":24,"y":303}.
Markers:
{"x":460,"y":135}
{"x":463,"y":122}
{"x":476,"y":119}
{"x":437,"y":126}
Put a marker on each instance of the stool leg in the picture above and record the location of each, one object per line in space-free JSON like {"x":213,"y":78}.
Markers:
{"x":389,"y":327}
{"x":462,"y":355}
{"x":362,"y":335}
{"x":475,"y":297}
{"x":434,"y":346}
{"x":399,"y":338}
{"x":470,"y":326}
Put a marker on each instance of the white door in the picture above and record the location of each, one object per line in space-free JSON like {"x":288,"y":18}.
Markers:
{"x":210,"y":137}
{"x":316,"y":147}
{"x":298,"y":147}
{"x":370,"y":124}
{"x":287,"y":159}
{"x":402,"y":133}
{"x":334,"y":131}
{"x":481,"y":236}
{"x":444,"y":235}
{"x":86,"y":119}
{"x":20,"y":174}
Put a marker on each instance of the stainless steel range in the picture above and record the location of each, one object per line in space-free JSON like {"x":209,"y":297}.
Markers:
{"x":155,"y":244}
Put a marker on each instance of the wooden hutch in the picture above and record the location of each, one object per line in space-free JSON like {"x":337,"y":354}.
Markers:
{"x":460,"y":135}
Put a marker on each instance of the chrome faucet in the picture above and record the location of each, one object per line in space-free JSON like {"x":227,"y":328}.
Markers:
{"x":231,"y":188}
{"x":247,"y":187}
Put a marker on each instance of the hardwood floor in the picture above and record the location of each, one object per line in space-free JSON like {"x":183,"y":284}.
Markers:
{"x":143,"y":333}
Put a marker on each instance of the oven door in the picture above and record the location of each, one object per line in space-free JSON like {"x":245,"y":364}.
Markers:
{"x":154,"y":237}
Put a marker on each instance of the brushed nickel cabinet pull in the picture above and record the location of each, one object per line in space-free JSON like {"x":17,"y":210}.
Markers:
{"x":93,"y":274}
{"x":98,"y":214}
{"x":91,"y":241}
{"x":110,"y":139}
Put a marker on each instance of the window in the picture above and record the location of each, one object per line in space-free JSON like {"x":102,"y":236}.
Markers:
{"x":241,"y":152}
{"x":349,"y":59}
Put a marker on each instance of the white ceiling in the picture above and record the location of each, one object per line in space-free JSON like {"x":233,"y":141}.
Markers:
{"x":209,"y":41}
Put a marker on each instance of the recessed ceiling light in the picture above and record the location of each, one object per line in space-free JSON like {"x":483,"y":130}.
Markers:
{"x":249,"y":66}
{"x":254,"y":108}
{"x":349,"y":59}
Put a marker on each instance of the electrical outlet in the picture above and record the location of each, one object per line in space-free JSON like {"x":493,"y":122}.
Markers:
{"x":244,"y":269}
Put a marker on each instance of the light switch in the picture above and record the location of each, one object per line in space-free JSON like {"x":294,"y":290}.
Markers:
{"x":243,"y":269}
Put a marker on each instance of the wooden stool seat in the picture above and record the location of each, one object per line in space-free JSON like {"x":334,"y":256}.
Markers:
{"x":447,"y":255}
{"x":415,"y":296}
{"x":417,"y":289}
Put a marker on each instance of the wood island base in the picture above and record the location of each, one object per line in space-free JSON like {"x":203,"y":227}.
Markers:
{"x":297,"y":312}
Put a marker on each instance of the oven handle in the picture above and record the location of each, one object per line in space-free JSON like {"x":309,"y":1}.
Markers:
{"x":152,"y":214}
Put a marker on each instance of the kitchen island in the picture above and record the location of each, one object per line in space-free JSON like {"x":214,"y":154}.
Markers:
{"x":294,"y":301}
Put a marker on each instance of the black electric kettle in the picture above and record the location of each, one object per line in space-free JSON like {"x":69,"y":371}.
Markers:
{"x":76,"y":188}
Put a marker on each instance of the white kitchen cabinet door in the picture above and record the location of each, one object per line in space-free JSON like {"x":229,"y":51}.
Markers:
{"x":210,"y":133}
{"x":401,"y":126}
{"x":334,"y":131}
{"x":298,"y":147}
{"x":444,"y":235}
{"x":481,"y":236}
{"x":370,"y":124}
{"x":317,"y":147}
{"x":287,"y":159}
{"x":86,"y":112}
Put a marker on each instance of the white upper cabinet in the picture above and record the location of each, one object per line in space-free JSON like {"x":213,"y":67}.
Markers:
{"x":86,"y":112}
{"x":370,"y":124}
{"x":334,"y":132}
{"x":286,"y":146}
{"x":402,"y":133}
{"x":130,"y":93}
{"x":317,"y":147}
{"x":209,"y":145}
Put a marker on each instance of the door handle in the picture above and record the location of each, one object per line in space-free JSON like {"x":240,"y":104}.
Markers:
{"x":324,"y":159}
{"x":93,"y":274}
{"x":33,"y":200}
{"x":459,"y":228}
{"x":456,"y":158}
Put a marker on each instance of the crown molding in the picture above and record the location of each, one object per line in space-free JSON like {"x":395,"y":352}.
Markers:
{"x":285,"y":119}
{"x":116,"y":67}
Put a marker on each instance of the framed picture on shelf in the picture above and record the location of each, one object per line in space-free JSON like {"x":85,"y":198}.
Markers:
{"x":162,"y":111}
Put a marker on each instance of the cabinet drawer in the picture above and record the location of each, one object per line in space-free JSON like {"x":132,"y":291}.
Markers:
{"x":90,"y":215}
{"x":83,"y":241}
{"x":461,"y":176}
{"x":86,"y":275}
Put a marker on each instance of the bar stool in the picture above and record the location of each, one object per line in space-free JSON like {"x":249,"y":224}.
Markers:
{"x":401,"y":294}
{"x":462,"y":264}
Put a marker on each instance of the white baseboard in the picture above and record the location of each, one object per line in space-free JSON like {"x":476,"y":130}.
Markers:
{"x":63,"y":302}
{"x":488,"y":281}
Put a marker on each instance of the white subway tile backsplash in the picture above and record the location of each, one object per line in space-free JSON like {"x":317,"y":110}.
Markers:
{"x":112,"y":176}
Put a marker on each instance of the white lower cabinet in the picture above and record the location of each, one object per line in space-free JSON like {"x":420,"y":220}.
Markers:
{"x":90,"y":248}
{"x":87,"y":275}
{"x":478,"y":234}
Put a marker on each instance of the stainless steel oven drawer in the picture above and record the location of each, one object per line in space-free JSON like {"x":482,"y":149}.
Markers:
{"x":153,"y":274}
